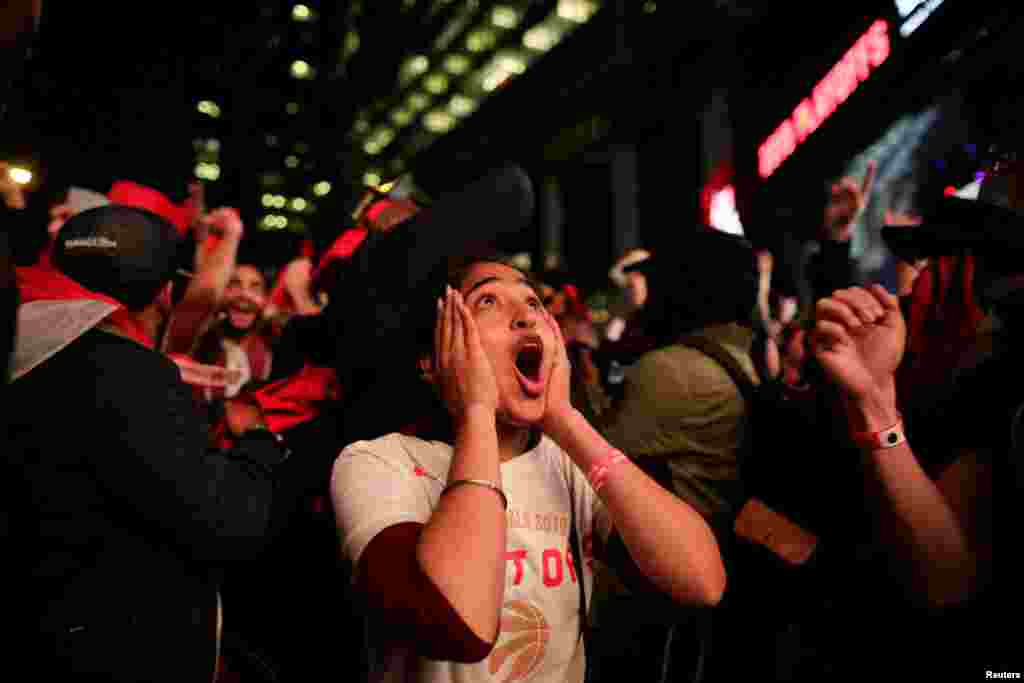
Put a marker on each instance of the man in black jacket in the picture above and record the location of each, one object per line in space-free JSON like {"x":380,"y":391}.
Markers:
{"x":120,"y":516}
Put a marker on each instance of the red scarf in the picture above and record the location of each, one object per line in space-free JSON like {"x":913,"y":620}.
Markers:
{"x":39,"y":283}
{"x":340,"y":252}
{"x":287,"y":402}
{"x":293,"y":400}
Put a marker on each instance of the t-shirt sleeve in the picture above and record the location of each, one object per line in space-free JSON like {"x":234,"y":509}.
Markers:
{"x":374,"y":486}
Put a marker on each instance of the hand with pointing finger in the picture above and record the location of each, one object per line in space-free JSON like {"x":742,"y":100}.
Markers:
{"x":847,"y":200}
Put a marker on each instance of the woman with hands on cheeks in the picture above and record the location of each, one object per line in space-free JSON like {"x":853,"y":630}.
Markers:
{"x":934,"y":529}
{"x":462,"y":550}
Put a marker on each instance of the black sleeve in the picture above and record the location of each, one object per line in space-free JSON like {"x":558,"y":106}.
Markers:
{"x":215,"y":505}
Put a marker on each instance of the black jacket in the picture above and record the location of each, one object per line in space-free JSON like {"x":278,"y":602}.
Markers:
{"x":119,"y":515}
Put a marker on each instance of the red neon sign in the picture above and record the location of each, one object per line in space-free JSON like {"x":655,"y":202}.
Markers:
{"x":870,"y":50}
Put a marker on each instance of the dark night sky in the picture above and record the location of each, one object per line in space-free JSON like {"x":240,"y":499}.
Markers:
{"x":111,"y":90}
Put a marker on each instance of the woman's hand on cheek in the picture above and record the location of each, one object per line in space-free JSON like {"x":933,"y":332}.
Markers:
{"x":558,"y":406}
{"x":464,"y":371}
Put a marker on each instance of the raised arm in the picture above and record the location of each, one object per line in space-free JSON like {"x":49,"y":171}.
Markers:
{"x":205,"y":290}
{"x":439,"y":585}
{"x":859,"y":340}
{"x":468,"y":527}
{"x":669,"y":541}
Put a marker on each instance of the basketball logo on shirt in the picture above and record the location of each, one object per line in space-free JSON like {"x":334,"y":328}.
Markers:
{"x":522,"y":641}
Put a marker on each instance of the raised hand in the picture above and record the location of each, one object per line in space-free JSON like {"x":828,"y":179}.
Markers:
{"x":224,"y":222}
{"x":859,"y":340}
{"x":847,"y":200}
{"x":462,"y":368}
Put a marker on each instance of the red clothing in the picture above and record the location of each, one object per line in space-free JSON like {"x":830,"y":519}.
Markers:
{"x":259,"y":354}
{"x":942,"y":325}
{"x":340,"y":252}
{"x":293,"y":400}
{"x":36,"y":283}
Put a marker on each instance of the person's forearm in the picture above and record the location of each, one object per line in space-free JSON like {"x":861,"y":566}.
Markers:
{"x":921,"y":527}
{"x":669,"y":541}
{"x":462,"y":548}
{"x":218,"y":265}
{"x":202,"y":296}
{"x":298,"y":281}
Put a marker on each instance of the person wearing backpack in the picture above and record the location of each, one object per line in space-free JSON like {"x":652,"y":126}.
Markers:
{"x":681,"y":419}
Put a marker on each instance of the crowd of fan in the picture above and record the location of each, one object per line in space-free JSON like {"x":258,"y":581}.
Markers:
{"x":520,"y":472}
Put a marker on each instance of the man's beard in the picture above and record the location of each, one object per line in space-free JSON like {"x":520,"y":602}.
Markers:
{"x":232,"y":332}
{"x":230,"y":328}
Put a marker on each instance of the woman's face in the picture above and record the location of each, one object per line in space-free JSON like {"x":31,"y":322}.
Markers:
{"x":516,"y":337}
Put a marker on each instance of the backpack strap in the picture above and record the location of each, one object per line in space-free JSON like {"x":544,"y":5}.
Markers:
{"x":737,"y":493}
{"x":577,"y":556}
{"x":718,"y":352}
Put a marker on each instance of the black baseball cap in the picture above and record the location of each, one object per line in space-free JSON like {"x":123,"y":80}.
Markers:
{"x":124,"y":252}
{"x":953,"y":225}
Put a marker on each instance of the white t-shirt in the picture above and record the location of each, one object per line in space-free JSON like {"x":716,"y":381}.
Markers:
{"x":396,"y":478}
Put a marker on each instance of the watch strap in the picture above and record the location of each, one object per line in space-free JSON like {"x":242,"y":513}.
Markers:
{"x":890,"y":437}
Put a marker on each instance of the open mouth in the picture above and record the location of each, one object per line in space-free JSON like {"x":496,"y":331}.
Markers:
{"x":529,"y":365}
{"x":242,"y":315}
